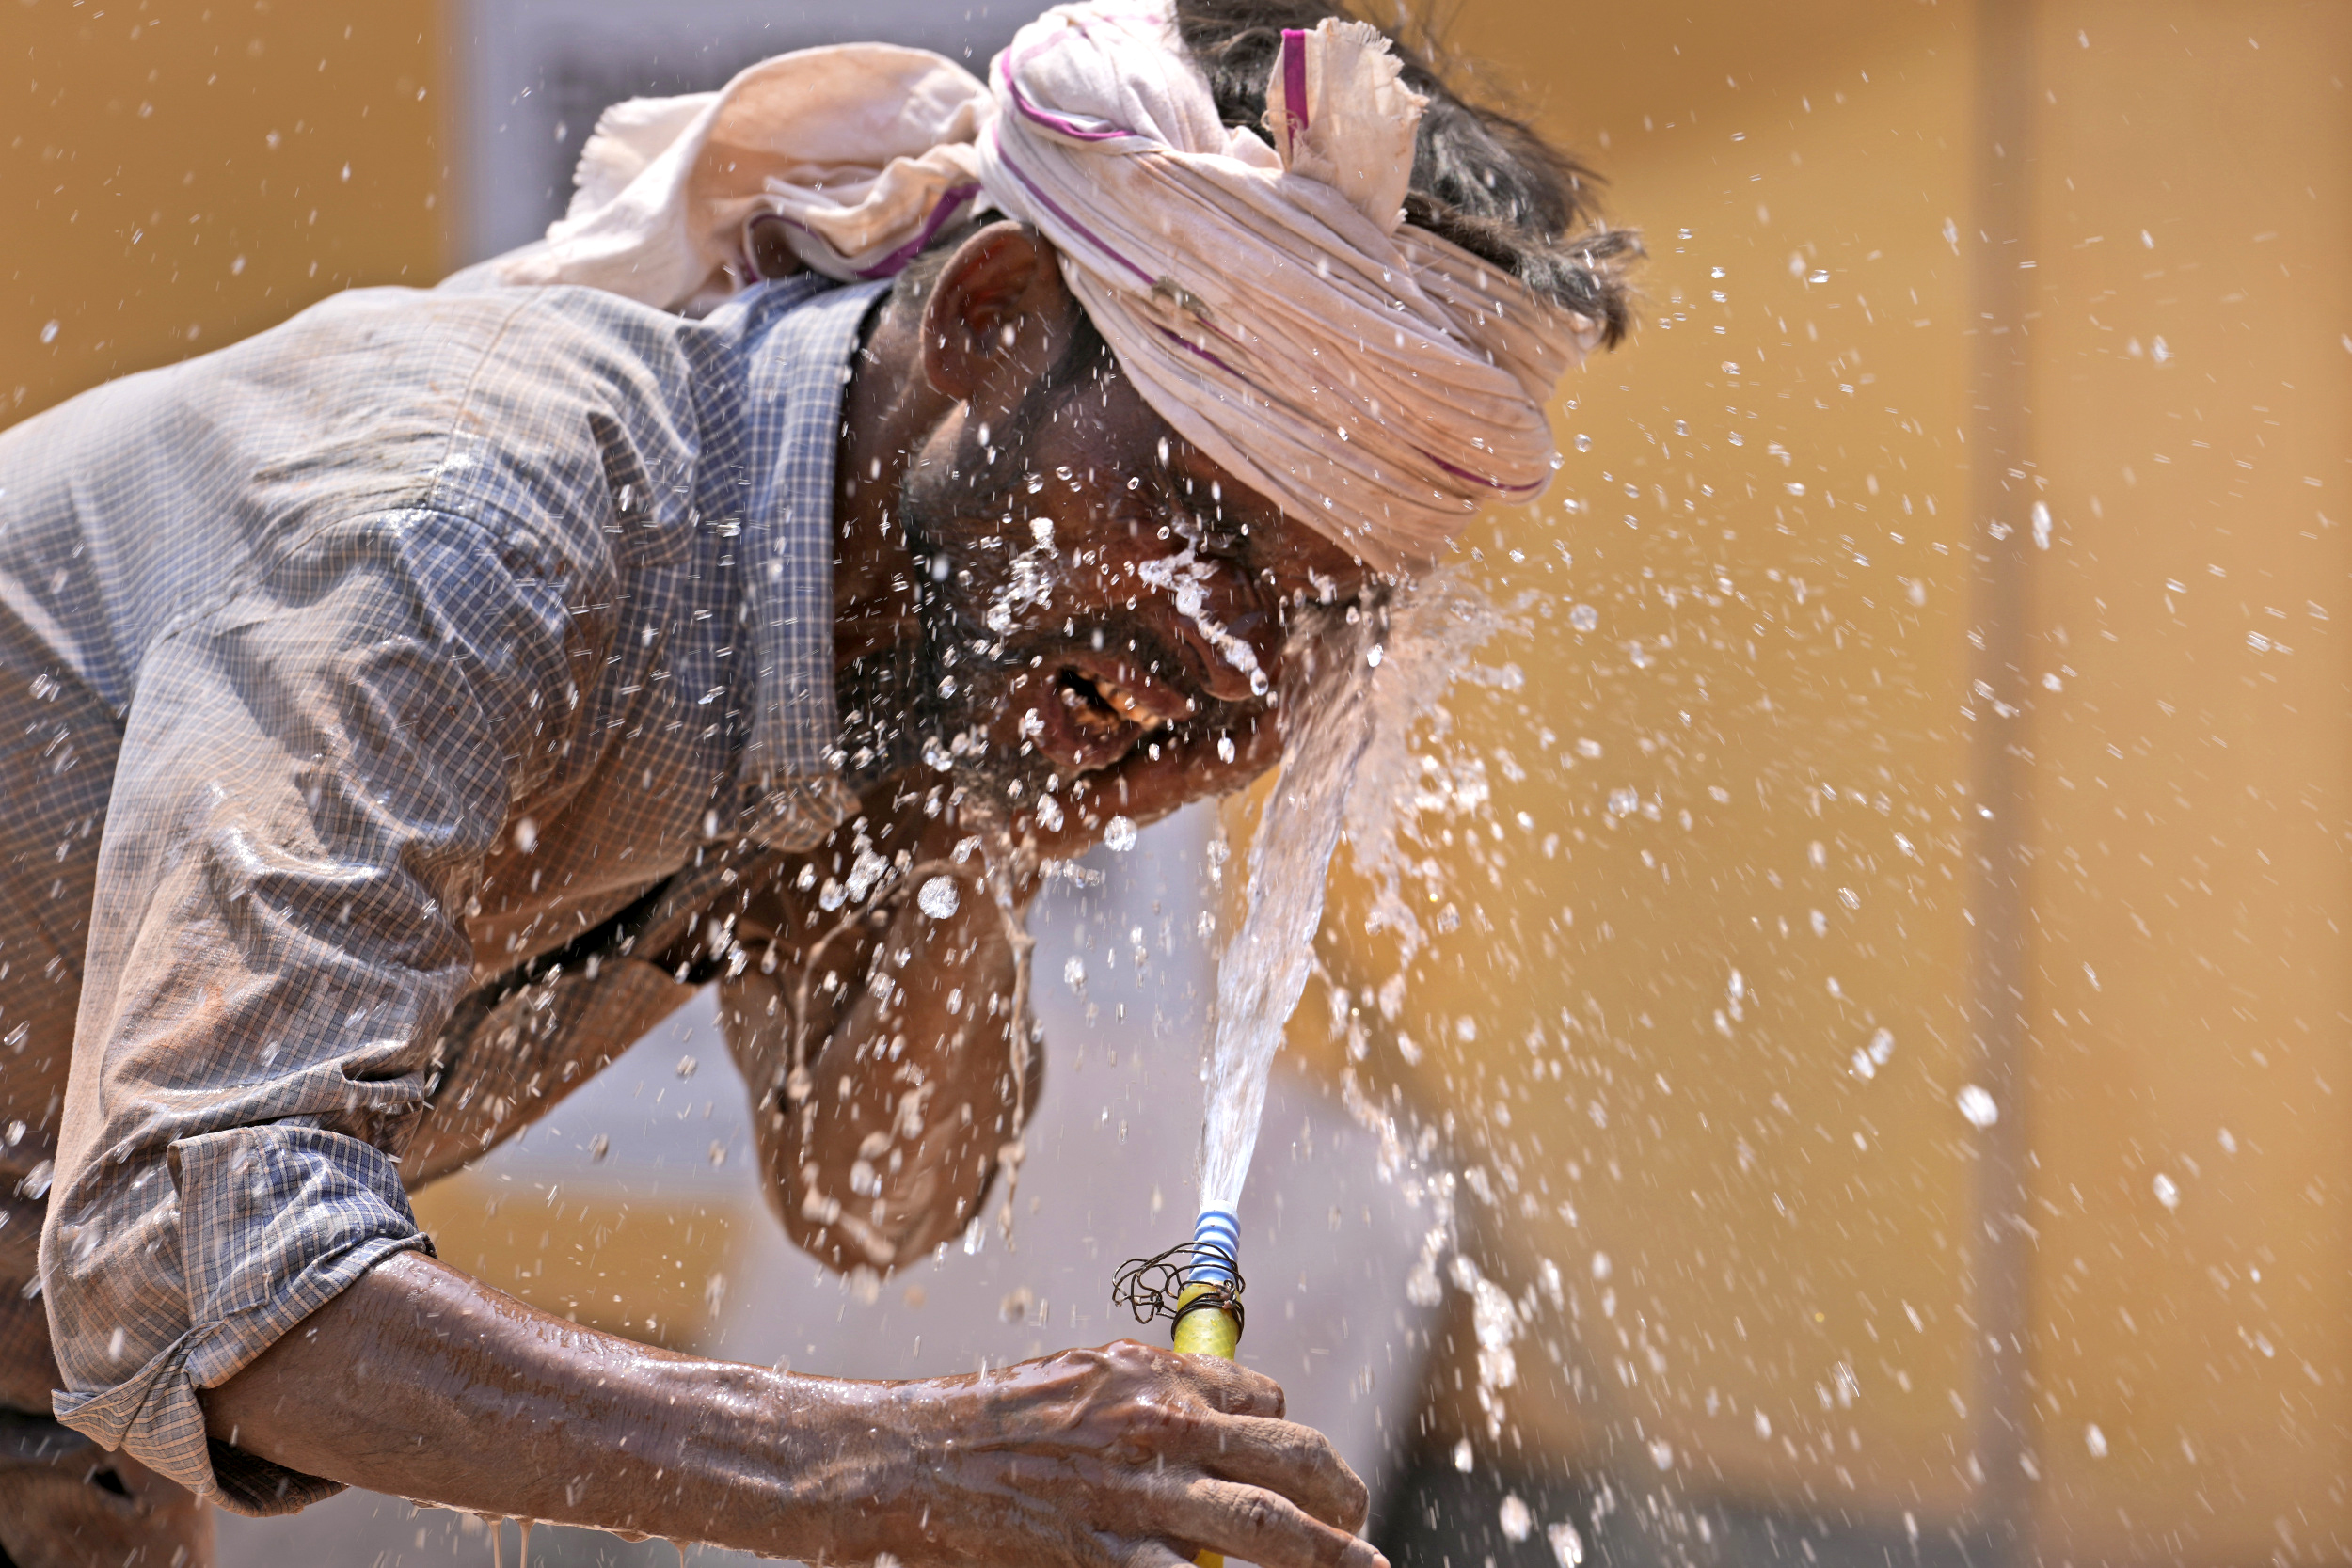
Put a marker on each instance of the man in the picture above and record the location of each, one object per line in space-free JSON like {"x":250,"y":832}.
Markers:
{"x":409,"y":706}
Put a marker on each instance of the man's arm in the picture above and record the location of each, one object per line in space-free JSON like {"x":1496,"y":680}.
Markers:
{"x":422,"y":1382}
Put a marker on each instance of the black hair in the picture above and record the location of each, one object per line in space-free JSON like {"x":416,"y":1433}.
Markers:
{"x":1482,"y":179}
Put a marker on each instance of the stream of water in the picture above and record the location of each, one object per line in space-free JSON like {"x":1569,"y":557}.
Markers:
{"x":1327,"y":723}
{"x":1352,"y":691}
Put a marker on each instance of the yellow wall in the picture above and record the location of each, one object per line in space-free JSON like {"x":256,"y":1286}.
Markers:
{"x":179,"y":173}
{"x":2189,"y":786}
{"x":651,"y":1268}
{"x":2138,"y":948}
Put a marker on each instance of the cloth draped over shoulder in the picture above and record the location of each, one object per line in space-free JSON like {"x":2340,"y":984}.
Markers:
{"x":1270,"y":301}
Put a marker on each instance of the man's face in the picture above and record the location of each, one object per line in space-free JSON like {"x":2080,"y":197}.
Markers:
{"x":1103,"y":600}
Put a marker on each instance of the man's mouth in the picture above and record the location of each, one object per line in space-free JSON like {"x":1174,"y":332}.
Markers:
{"x":1099,"y":707}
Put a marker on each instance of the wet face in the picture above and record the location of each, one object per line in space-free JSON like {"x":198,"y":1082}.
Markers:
{"x":1099,"y":592}
{"x":1104,"y":610}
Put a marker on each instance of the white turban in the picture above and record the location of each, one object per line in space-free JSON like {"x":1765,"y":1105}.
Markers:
{"x":1373,"y":380}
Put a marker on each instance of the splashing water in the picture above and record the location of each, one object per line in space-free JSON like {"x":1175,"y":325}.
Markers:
{"x":1351,"y":695}
{"x":1328,"y":725}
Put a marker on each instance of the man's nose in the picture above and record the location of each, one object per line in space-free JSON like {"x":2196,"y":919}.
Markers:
{"x":1244,"y":620}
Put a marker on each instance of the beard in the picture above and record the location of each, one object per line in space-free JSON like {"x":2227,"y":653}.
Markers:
{"x":1029,"y":667}
{"x":1002,"y":635}
{"x":927,"y":704}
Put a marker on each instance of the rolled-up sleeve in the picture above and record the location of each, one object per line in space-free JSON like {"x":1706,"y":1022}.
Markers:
{"x":311,"y":777}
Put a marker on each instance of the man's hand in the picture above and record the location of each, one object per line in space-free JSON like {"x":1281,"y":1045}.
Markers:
{"x":1126,"y":1456}
{"x":424,"y":1382}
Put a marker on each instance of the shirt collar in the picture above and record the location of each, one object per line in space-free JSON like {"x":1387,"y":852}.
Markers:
{"x":798,"y":335}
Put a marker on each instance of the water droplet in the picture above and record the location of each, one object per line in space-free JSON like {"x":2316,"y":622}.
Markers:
{"x":1224,"y":748}
{"x":1073,"y":973}
{"x":2095,"y":1440}
{"x":1584,"y":442}
{"x":1567,"y":1546}
{"x":1120,"y":835}
{"x":938,"y":897}
{"x":1763,"y":1424}
{"x":49,"y":332}
{"x":526,"y":834}
{"x":2168,"y":1191}
{"x":1602,"y":1266}
{"x":2042,"y":525}
{"x":1517,"y":1523}
{"x":1622,"y":801}
{"x":1977,"y":1106}
{"x":1583,"y":617}
{"x":1462,"y":1460}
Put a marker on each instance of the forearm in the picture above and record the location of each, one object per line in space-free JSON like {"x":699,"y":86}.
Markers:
{"x":423,"y":1383}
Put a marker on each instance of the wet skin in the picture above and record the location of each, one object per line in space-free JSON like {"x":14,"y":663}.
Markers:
{"x":422,"y":1382}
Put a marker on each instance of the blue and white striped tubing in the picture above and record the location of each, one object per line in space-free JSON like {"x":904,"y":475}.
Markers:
{"x":1219,"y":1227}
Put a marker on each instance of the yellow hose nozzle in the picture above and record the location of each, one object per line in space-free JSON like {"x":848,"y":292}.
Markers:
{"x":1208,"y":1330}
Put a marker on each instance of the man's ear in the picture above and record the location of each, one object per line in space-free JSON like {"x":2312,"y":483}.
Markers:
{"x":999,"y":297}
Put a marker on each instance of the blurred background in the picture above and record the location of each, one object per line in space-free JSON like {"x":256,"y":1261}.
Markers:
{"x":1880,"y":1043}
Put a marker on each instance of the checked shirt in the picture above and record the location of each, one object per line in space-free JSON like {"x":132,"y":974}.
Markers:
{"x":343,"y":674}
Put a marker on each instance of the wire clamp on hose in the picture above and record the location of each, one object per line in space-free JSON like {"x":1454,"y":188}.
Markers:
{"x":1190,"y":1277}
